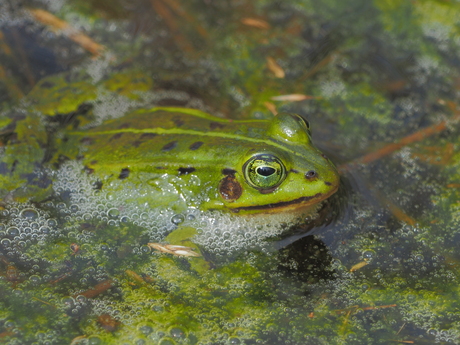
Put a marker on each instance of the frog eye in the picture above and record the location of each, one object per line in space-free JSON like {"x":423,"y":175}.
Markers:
{"x":304,"y":123}
{"x":264,"y":172}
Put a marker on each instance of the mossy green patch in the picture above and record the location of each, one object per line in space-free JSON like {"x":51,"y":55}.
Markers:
{"x":61,"y":94}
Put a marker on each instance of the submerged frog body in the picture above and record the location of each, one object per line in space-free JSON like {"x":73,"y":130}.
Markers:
{"x":182,"y":159}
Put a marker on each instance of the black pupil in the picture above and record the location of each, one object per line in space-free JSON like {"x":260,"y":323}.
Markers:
{"x":265,"y":171}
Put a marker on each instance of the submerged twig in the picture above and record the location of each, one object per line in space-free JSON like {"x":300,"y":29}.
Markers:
{"x":78,"y":37}
{"x":97,"y":289}
{"x":410,"y":139}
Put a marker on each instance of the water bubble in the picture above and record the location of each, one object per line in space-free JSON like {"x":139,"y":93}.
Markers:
{"x":94,"y":340}
{"x":12,"y":231}
{"x":418,"y":258}
{"x":432,"y":331}
{"x":146,"y":329}
{"x":234,"y":341}
{"x":68,"y":301}
{"x":177,"y":219}
{"x":177,"y":332}
{"x":81,"y":299}
{"x":52,"y":222}
{"x":110,"y":196}
{"x":45,"y":230}
{"x":74,"y":208}
{"x":368,"y":254}
{"x":29,"y":213}
{"x":157,"y":308}
{"x":113,"y":212}
{"x":411,"y":298}
{"x":35,"y":279}
{"x":10,"y":324}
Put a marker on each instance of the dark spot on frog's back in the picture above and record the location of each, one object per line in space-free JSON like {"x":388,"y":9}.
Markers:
{"x":124,"y":125}
{"x":327,"y":183}
{"x":87,"y":141}
{"x":146,"y":136}
{"x":169,"y":146}
{"x":216,"y":125}
{"x":185,"y":171}
{"x":124,"y":173}
{"x":229,"y":188}
{"x":143,"y":138}
{"x":178,"y":121}
{"x":116,"y":136}
{"x":196,"y":145}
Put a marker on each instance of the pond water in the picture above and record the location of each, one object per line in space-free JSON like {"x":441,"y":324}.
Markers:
{"x":377,"y":263}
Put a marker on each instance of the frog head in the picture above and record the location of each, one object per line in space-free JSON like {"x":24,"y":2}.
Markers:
{"x":284,"y":172}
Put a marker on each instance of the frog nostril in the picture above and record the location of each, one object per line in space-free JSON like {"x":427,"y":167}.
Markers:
{"x":310,"y":174}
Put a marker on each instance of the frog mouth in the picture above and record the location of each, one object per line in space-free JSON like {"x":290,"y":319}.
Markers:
{"x":291,"y":205}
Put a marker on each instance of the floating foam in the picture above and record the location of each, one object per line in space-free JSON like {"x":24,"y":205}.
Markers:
{"x":216,"y":231}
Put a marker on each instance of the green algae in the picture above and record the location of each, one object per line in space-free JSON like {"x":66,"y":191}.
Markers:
{"x":408,"y":289}
{"x":51,"y":95}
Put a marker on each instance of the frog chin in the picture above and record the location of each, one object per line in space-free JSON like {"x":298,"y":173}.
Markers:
{"x":300,"y":206}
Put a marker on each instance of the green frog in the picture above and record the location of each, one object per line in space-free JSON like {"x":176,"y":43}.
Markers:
{"x":181,"y":159}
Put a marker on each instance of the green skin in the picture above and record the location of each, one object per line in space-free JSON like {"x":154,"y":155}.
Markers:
{"x":179,"y":156}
